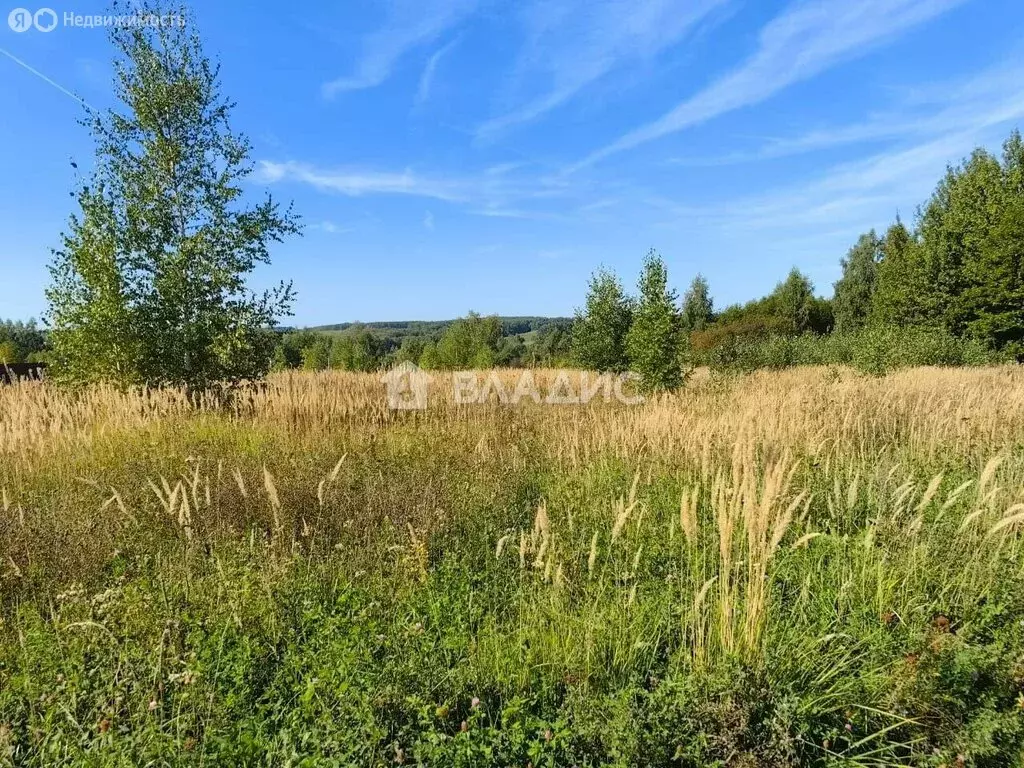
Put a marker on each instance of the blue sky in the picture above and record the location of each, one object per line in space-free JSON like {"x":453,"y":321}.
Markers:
{"x":449,"y":155}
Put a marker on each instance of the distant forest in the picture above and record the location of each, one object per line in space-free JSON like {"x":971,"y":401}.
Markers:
{"x":472,"y":341}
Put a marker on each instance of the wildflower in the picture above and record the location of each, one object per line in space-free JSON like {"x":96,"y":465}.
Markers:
{"x":475,"y":703}
{"x":152,"y":704}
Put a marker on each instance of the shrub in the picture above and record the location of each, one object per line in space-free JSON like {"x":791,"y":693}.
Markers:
{"x":873,"y":350}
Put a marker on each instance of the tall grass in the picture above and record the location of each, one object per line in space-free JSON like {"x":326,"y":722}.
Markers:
{"x":801,"y":567}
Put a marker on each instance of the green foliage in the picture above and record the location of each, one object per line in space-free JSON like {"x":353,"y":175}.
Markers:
{"x":506,"y":342}
{"x":873,"y":349}
{"x":553,"y":345}
{"x":357,"y":350}
{"x":9,"y":352}
{"x":470,"y":342}
{"x":855,"y":289}
{"x":316,"y":356}
{"x":963,"y":268}
{"x":904,"y":294}
{"x":698,"y":308}
{"x":148,"y":286}
{"x":411,"y":349}
{"x":599,"y":331}
{"x":794,"y":303}
{"x":791,"y":308}
{"x":22,"y":342}
{"x":653,"y":342}
{"x":953,"y":228}
{"x":288,"y":350}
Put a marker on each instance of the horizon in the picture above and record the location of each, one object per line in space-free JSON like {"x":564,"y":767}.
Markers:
{"x":460,"y":154}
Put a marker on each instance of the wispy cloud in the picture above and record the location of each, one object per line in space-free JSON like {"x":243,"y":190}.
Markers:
{"x":430,"y":71}
{"x":992,"y":97}
{"x":355,"y":183}
{"x":428,"y":221}
{"x":410,"y":25}
{"x":483,"y":194}
{"x":574,"y":43}
{"x":805,"y":40}
{"x":862,"y":193}
{"x":331,"y":228}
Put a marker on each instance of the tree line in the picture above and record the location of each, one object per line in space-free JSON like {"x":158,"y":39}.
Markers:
{"x":21,"y":342}
{"x":959,"y":269}
{"x":469,"y":342}
{"x":947,"y":291}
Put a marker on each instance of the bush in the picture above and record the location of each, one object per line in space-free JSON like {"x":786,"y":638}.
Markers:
{"x":873,"y":350}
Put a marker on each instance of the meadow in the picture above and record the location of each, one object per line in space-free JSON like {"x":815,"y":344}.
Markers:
{"x":811,"y":566}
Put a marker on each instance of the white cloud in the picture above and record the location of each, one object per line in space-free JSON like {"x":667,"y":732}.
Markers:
{"x":805,"y":40}
{"x":429,"y":72}
{"x":863,"y":194}
{"x":993,"y":97}
{"x":573,"y":43}
{"x":331,"y":228}
{"x":355,"y":183}
{"x":410,"y":24}
{"x":428,"y":221}
{"x":485,"y":194}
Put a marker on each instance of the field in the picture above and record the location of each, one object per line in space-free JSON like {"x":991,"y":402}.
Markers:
{"x":806,"y":567}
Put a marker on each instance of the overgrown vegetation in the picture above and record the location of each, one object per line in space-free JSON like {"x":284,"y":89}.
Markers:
{"x":806,"y":567}
{"x":21,"y":342}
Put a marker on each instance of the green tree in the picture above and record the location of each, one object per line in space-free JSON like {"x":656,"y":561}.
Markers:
{"x":357,"y":350}
{"x":793,"y":302}
{"x":511,"y":352}
{"x":149,"y":284}
{"x":316,"y":356}
{"x":8,"y":352}
{"x":469,"y":342}
{"x":411,"y":349}
{"x":600,"y":328}
{"x":955,"y":225}
{"x":698,"y":308}
{"x":854,"y":291}
{"x":904,"y":293}
{"x":654,"y":338}
{"x":552,"y":345}
{"x":27,"y":343}
{"x":993,"y":298}
{"x":428,"y":359}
